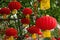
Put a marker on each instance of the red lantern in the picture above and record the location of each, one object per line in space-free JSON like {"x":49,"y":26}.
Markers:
{"x":27,"y":11}
{"x":25,"y":21}
{"x":5,"y":11}
{"x":33,"y":30}
{"x":14,"y":5}
{"x":46,"y":22}
{"x":11,"y":32}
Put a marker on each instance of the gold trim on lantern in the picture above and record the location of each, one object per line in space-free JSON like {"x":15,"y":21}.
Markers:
{"x":47,"y":33}
{"x":24,"y":25}
{"x":11,"y":38}
{"x":28,"y":16}
{"x":44,"y":4}
{"x":4,"y":16}
{"x":34,"y":36}
{"x":14,"y":11}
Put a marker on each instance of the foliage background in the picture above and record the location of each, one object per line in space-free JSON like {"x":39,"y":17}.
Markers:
{"x":53,"y":11}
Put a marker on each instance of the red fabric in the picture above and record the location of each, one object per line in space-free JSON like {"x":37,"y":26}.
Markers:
{"x":25,"y":21}
{"x":11,"y":32}
{"x":5,"y":11}
{"x":33,"y":30}
{"x":27,"y":11}
{"x":46,"y":23}
{"x":14,"y":5}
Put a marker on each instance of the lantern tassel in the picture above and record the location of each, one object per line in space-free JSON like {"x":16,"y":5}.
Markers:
{"x":28,"y":16}
{"x":14,"y":11}
{"x":4,"y":16}
{"x":34,"y":36}
{"x":24,"y":25}
{"x":47,"y":33}
{"x":11,"y":38}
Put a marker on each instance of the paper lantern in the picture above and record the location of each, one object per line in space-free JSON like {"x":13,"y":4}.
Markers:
{"x":44,"y":4}
{"x":46,"y":23}
{"x":11,"y":32}
{"x":14,"y":5}
{"x":33,"y":30}
{"x":5,"y":11}
{"x":25,"y":21}
{"x":27,"y":11}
